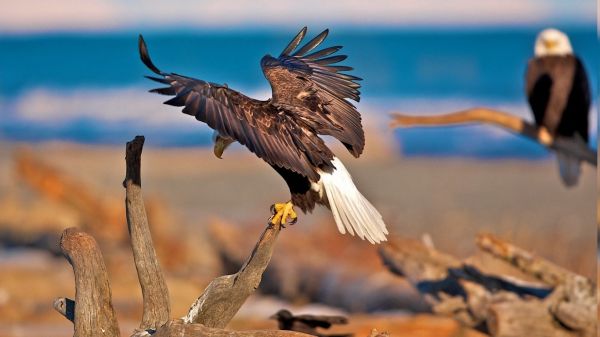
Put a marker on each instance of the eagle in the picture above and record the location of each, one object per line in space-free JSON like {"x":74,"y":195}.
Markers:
{"x":311,"y":96}
{"x":558,"y":92}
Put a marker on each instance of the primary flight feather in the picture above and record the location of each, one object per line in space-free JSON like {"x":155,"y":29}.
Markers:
{"x":310,"y":97}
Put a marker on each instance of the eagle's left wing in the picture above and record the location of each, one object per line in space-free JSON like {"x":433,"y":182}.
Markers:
{"x":271,"y":134}
{"x":311,"y":81}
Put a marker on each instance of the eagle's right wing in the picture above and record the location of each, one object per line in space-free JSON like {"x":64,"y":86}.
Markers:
{"x":271,"y":135}
{"x":311,"y":81}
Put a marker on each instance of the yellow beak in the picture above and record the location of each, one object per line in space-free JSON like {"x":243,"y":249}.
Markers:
{"x":550,"y":44}
{"x":221,"y":144}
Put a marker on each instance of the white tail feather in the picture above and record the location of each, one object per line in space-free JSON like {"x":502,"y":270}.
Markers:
{"x":351,"y":211}
{"x":570,"y":168}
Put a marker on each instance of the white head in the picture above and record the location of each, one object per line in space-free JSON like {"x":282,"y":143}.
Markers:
{"x":552,"y":42}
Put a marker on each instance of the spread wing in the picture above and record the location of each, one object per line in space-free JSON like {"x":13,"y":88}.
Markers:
{"x":271,"y":134}
{"x":311,"y":80}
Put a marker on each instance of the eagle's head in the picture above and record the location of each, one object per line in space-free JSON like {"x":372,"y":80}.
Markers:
{"x":552,"y":42}
{"x":221,"y":143}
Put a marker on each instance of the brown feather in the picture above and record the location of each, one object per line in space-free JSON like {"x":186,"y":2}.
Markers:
{"x":558,"y":92}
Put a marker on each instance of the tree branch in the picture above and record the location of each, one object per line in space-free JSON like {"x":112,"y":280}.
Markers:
{"x":524,"y":318}
{"x":94,"y":314}
{"x":156,"y":306}
{"x":507,"y":121}
{"x":224,"y":296}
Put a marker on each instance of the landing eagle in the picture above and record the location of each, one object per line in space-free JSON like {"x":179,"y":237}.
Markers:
{"x":309,"y":98}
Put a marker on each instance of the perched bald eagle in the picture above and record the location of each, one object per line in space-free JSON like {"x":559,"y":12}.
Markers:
{"x":310,"y":98}
{"x":559,"y":95}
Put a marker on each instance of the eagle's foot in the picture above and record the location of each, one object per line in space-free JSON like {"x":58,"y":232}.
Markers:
{"x":281,"y":212}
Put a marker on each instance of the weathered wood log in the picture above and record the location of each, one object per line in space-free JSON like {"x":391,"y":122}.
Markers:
{"x":156,"y":306}
{"x":563,"y":305}
{"x":93,"y":313}
{"x":83,"y":253}
{"x":574,"y":297}
{"x":430,"y":272}
{"x":519,"y":318}
{"x":507,"y":121}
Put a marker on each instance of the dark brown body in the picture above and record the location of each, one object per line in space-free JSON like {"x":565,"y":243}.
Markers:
{"x":559,"y":95}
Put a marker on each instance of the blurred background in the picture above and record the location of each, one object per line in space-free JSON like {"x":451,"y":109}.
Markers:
{"x":72,"y":93}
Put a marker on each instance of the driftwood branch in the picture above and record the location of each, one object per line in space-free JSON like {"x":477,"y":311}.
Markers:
{"x":225,"y":295}
{"x":93,"y":313}
{"x":222,"y":298}
{"x":524,"y":318}
{"x":507,"y":121}
{"x":559,"y":303}
{"x":574,"y":297}
{"x":155,"y":294}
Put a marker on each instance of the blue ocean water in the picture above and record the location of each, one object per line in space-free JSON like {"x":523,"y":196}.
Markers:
{"x":90,"y":88}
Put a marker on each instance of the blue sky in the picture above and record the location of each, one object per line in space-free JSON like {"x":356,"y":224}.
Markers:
{"x":33,"y":16}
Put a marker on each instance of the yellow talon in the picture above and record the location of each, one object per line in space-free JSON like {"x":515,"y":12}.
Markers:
{"x":279,"y":207}
{"x":282,"y":212}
